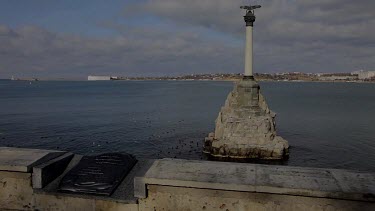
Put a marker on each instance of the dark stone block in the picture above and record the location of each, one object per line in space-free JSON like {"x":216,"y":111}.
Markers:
{"x":45,"y":173}
{"x":99,"y":175}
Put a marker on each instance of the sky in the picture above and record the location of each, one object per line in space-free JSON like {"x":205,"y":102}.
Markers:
{"x":70,"y":39}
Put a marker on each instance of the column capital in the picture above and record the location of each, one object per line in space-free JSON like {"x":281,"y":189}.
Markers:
{"x":249,"y":18}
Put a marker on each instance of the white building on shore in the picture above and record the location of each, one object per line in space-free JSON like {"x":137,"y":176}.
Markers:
{"x":366,"y":75}
{"x":99,"y":78}
{"x":362,"y":75}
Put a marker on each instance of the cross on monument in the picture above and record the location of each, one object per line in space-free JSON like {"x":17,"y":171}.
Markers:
{"x":249,"y":19}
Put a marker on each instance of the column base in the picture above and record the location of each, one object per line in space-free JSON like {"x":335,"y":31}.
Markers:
{"x":247,"y":77}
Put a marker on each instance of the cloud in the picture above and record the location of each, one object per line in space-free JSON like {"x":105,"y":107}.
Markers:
{"x":140,"y":51}
{"x":321,"y":35}
{"x":290,"y":19}
{"x":164,"y":37}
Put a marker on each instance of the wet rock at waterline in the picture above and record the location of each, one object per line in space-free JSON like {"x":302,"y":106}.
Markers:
{"x":245,"y":127}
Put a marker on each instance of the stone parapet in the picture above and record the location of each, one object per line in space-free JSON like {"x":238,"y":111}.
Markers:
{"x":173,"y":184}
{"x":30,"y":179}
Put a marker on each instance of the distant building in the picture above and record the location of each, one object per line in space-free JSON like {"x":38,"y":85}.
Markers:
{"x":338,"y":77}
{"x":356,"y":72}
{"x":99,"y":78}
{"x":366,"y":75}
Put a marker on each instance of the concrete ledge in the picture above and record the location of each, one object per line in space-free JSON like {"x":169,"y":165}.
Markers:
{"x":181,"y":198}
{"x":285,"y":180}
{"x":23,"y":160}
{"x":47,"y":172}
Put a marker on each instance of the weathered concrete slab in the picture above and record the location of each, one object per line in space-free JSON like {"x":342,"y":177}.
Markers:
{"x":197,"y":174}
{"x":23,"y":160}
{"x":47,"y":172}
{"x":15,"y":190}
{"x":181,"y":198}
{"x":356,"y":182}
{"x":125,"y":191}
{"x":297,"y":181}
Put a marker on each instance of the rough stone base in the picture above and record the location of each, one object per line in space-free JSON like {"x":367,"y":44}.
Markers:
{"x":245,"y":127}
{"x":273,"y":151}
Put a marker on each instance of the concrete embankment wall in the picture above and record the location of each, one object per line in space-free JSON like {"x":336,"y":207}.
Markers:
{"x":171,"y":184}
{"x":203,"y":185}
{"x":17,"y":193}
{"x":174,"y":198}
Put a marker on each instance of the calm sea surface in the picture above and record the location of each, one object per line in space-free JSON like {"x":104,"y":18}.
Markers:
{"x":327,"y":124}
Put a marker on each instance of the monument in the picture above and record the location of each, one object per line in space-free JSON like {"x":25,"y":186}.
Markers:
{"x":245,"y":127}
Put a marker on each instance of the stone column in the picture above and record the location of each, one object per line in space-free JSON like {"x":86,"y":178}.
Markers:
{"x":249,"y":19}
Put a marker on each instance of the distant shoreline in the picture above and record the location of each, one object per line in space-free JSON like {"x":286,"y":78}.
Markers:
{"x":216,"y":80}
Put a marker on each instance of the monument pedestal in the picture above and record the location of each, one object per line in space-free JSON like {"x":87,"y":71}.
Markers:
{"x":245,"y":127}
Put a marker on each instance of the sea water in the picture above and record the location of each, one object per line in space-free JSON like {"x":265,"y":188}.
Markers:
{"x":330,"y":125}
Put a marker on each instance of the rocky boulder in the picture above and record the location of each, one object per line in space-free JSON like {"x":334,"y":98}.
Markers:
{"x":245,"y":127}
